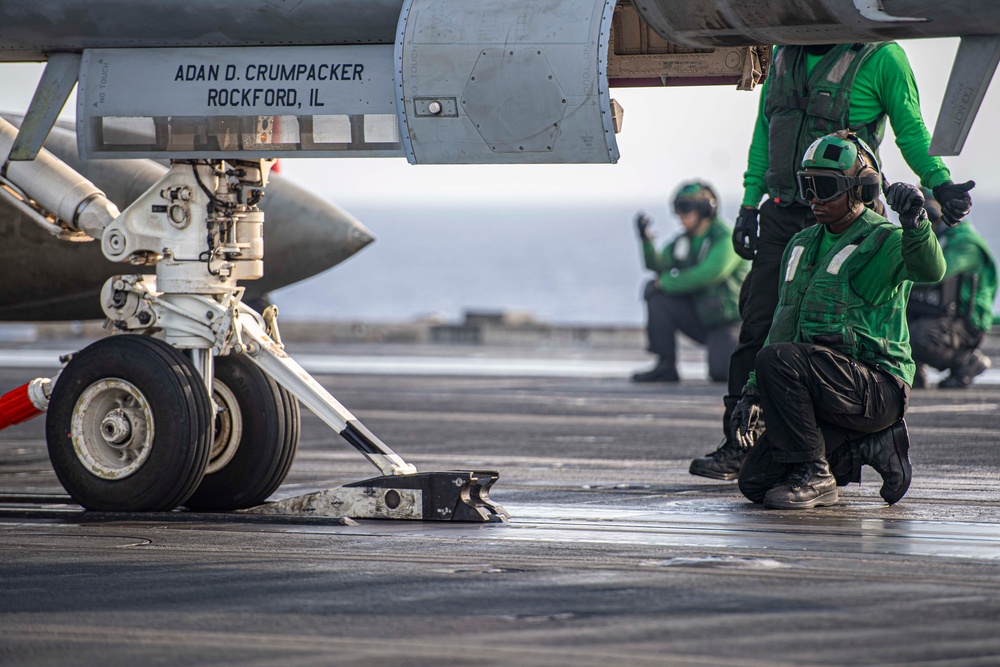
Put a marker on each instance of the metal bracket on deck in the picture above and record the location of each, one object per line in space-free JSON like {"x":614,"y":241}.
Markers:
{"x":454,"y":495}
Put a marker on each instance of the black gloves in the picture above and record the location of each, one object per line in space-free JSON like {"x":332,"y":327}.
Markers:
{"x":745,"y":422}
{"x":642,"y":223}
{"x":955,"y":200}
{"x":907,"y":201}
{"x":745,"y":232}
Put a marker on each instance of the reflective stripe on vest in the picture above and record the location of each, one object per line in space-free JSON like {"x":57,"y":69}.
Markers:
{"x":818,"y":305}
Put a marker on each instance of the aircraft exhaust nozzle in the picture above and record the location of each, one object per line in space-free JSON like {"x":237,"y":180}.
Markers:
{"x":77,"y":203}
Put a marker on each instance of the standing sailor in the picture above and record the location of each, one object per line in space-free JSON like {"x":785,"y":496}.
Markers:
{"x":812,"y":91}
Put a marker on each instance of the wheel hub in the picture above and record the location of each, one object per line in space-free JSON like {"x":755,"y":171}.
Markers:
{"x":116,"y":428}
{"x":112,"y":429}
{"x":228,"y":428}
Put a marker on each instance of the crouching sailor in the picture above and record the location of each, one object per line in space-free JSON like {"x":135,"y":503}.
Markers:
{"x":830,"y":386}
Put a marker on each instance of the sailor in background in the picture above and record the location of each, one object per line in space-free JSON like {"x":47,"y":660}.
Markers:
{"x":948,"y":320}
{"x":697,"y":286}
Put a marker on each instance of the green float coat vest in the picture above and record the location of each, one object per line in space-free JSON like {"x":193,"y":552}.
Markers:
{"x":976,"y":309}
{"x":802,"y":108}
{"x":716,"y":304}
{"x":819,"y":306}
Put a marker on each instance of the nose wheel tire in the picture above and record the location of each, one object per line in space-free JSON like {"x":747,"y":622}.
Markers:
{"x":129,"y":426}
{"x":256,"y":435}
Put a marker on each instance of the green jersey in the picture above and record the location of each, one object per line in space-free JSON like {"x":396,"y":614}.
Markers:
{"x":884,"y":86}
{"x":705,"y":266}
{"x":969,"y":285}
{"x":848,"y":291}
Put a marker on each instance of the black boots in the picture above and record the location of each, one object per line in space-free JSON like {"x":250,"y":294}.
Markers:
{"x":724,"y":463}
{"x":961,"y":376}
{"x":809,"y":484}
{"x":888,"y":452}
{"x":814,"y":484}
{"x":663,"y":371}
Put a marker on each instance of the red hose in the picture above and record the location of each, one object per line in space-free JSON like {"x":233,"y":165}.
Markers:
{"x":16,"y":407}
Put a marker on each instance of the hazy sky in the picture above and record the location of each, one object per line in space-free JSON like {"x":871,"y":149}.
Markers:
{"x":669,"y":135}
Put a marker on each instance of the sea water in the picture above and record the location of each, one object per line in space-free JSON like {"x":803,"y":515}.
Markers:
{"x":561,"y":262}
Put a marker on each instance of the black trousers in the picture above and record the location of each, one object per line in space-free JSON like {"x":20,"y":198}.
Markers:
{"x":759,"y":294}
{"x":669,"y":313}
{"x":942,"y":342}
{"x":816,"y":400}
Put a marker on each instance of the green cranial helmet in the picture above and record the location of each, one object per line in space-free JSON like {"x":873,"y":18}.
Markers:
{"x":696,"y":196}
{"x":845,"y":153}
{"x":830,"y":152}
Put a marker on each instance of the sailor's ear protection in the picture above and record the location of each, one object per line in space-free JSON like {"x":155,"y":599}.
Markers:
{"x":868,"y":175}
{"x":700,"y":198}
{"x":708,"y":207}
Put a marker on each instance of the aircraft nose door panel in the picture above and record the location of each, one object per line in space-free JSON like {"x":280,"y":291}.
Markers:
{"x":498,"y":83}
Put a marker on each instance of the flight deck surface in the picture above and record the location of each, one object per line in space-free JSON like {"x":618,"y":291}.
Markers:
{"x":614,"y":554}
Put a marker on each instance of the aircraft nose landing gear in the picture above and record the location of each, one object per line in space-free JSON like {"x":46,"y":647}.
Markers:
{"x":130,"y":428}
{"x":193,"y":400}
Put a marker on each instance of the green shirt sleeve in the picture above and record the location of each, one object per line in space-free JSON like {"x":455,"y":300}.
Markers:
{"x":658,"y":262}
{"x":720,"y":261}
{"x":651,"y":258}
{"x":908,"y":254}
{"x":886,"y":82}
{"x":758,"y":158}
